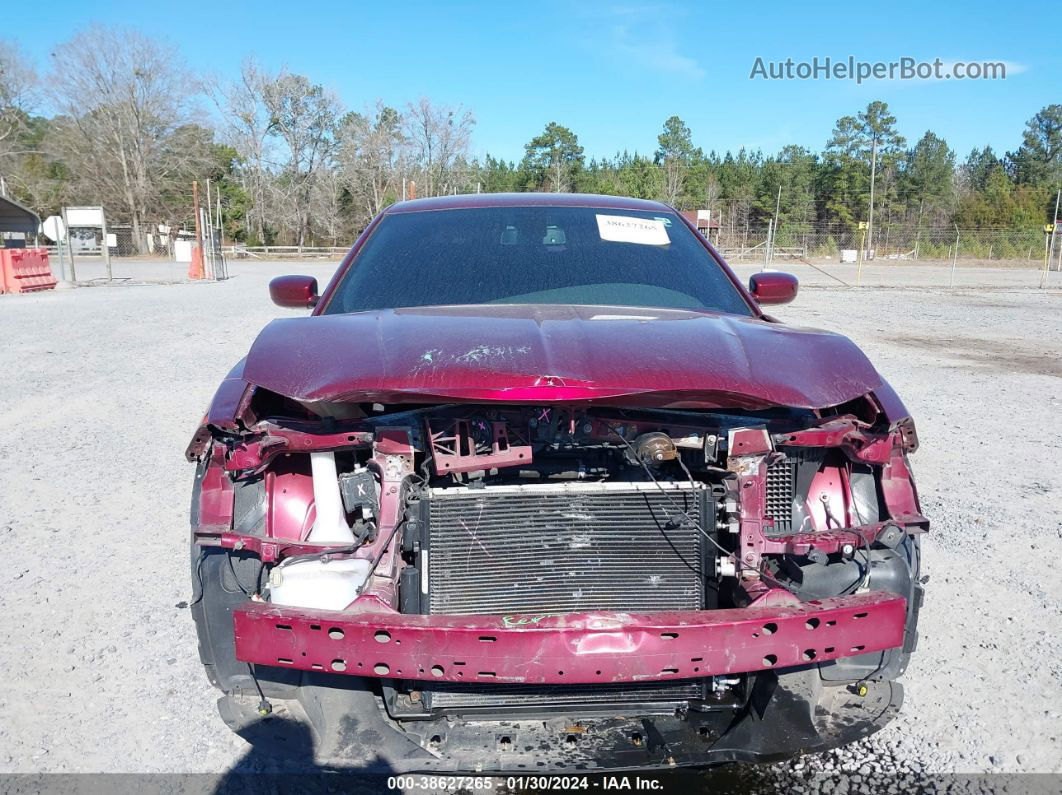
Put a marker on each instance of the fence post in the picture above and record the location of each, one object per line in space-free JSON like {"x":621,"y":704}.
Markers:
{"x":62,"y":261}
{"x":954,"y":257}
{"x":106,"y":246}
{"x":1047,"y":258}
{"x":69,"y":248}
{"x":860,"y":257}
{"x":767,"y":247}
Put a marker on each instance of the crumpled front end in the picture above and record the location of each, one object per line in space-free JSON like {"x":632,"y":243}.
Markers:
{"x":563,"y":586}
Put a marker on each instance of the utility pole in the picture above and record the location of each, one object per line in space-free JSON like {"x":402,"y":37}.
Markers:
{"x":1050,"y":231}
{"x":774,"y":228}
{"x":195,"y":271}
{"x":873,"y":175}
{"x":1054,"y":220}
{"x":209,"y":228}
{"x":59,"y":254}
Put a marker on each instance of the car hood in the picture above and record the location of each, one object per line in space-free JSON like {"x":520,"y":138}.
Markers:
{"x":546,"y":353}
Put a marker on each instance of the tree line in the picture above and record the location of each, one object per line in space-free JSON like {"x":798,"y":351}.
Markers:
{"x":293,"y":166}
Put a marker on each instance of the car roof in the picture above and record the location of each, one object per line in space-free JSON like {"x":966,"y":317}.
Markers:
{"x":470,"y":200}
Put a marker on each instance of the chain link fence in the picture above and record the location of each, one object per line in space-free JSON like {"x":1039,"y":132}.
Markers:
{"x":986,"y":255}
{"x":88,"y":242}
{"x":1022,"y":248}
{"x":1018,"y":247}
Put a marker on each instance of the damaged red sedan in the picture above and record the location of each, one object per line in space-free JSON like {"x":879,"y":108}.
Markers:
{"x":538,"y":486}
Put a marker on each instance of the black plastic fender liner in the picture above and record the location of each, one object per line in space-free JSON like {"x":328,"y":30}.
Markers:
{"x":893,"y":570}
{"x":220,"y":579}
{"x":843,"y":716}
{"x":349,"y":723}
{"x":217,"y":577}
{"x":780,"y":720}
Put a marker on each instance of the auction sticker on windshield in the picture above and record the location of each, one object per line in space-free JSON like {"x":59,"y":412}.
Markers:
{"x":624,"y":229}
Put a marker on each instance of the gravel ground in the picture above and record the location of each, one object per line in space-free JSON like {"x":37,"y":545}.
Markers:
{"x":103,"y":386}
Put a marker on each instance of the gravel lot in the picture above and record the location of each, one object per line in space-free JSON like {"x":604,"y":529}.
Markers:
{"x":103,"y":386}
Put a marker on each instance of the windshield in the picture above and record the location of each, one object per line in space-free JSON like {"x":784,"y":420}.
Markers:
{"x":535,"y":255}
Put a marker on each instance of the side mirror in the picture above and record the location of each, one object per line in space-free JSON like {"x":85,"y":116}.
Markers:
{"x":772,"y":287}
{"x":296,"y":292}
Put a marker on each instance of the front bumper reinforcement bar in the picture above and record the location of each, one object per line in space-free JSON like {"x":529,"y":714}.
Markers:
{"x":574,"y":648}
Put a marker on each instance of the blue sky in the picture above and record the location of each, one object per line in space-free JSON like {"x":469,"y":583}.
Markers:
{"x":613,"y":71}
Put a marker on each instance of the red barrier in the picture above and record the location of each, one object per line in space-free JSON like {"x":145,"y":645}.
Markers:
{"x":25,"y":270}
{"x":195,"y":267}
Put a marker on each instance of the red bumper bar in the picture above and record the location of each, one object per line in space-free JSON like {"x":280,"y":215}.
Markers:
{"x":578,"y":648}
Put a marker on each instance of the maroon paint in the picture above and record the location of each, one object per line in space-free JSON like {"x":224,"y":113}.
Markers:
{"x":450,"y":444}
{"x":229,"y":401}
{"x":831,"y":482}
{"x":773,"y":287}
{"x":893,"y":408}
{"x":874,"y":448}
{"x":268,"y":440}
{"x":578,"y":648}
{"x":552,"y":353}
{"x":473,"y":200}
{"x":750,"y":457}
{"x":393,"y":455}
{"x":224,"y":410}
{"x":290,"y":509}
{"x":899,"y":491}
{"x":295,"y":292}
{"x":215,"y":507}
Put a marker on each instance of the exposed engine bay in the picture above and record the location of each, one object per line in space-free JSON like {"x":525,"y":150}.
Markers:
{"x":612,"y":528}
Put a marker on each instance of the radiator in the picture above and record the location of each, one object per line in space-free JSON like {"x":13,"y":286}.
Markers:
{"x":562,"y":548}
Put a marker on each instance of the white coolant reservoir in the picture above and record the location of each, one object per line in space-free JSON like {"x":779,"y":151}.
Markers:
{"x":330,"y":525}
{"x":330,"y":585}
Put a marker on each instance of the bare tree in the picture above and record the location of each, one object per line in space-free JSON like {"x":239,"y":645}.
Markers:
{"x":440,"y":136}
{"x":285,"y":130}
{"x":712,"y":191}
{"x":299,"y":156}
{"x":247,"y":129}
{"x":327,"y":206}
{"x":18,"y":96}
{"x":372,"y":155}
{"x":304,"y":116}
{"x":122,"y":96}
